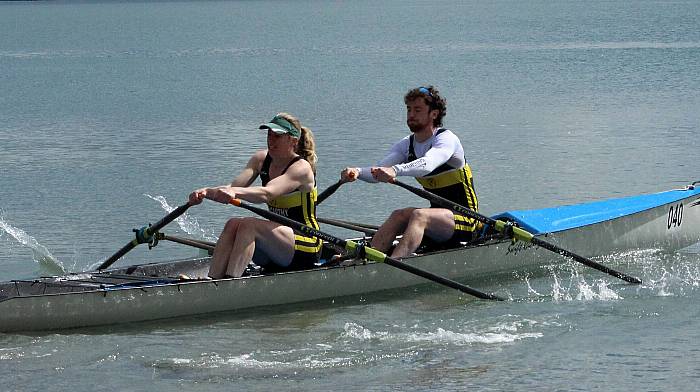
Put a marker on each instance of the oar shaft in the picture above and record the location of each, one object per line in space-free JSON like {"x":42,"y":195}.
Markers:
{"x":439,"y":279}
{"x":118,"y":255}
{"x":169,"y":218}
{"x":206,"y":245}
{"x":585,"y":261}
{"x":308,"y":230}
{"x":371,"y":253}
{"x":146,"y":233}
{"x":445,"y":203}
{"x":517,"y":232}
{"x":348,"y":225}
{"x":329,"y":191}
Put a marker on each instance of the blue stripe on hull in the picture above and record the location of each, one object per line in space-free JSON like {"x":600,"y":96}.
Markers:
{"x":549,"y":220}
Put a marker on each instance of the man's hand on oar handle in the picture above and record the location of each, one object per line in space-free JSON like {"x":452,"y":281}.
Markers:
{"x":384,"y":174}
{"x":349,"y":174}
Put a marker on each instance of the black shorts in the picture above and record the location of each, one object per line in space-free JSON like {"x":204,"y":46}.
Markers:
{"x":466,"y":230}
{"x":300,"y":261}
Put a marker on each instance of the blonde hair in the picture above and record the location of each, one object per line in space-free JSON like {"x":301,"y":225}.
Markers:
{"x":306,"y":147}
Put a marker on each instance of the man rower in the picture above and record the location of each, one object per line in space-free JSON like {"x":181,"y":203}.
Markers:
{"x":435,"y":157}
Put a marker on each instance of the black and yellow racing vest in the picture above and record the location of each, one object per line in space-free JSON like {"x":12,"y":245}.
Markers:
{"x":299,"y":206}
{"x":454,"y":184}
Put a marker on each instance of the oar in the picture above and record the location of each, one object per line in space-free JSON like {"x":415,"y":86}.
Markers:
{"x":329,"y":191}
{"x":144,"y":235}
{"x":370,"y":253}
{"x":200,"y":244}
{"x":517,"y":233}
{"x":349,"y":225}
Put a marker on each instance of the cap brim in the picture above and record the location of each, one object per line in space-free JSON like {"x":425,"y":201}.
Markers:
{"x":274,"y":128}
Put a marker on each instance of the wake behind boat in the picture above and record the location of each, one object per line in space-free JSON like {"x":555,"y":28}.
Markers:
{"x":668,"y":220}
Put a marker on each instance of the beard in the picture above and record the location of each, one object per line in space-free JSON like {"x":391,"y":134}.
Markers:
{"x":415,"y":126}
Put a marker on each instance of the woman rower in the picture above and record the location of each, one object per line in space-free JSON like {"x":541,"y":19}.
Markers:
{"x":287,"y":170}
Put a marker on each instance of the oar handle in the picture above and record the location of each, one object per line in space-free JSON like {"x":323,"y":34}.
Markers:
{"x":143,"y":235}
{"x":370,"y":253}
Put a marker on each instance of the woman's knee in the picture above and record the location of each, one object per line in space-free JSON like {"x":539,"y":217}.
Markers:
{"x":239,"y":225}
{"x":231,"y":225}
{"x":248,"y":226}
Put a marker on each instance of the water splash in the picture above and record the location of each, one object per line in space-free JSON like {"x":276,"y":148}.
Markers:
{"x":260,"y":364}
{"x":663,"y":273}
{"x":47,"y":262}
{"x":186,"y":223}
{"x":578,"y":288}
{"x":667,"y":273}
{"x":441,"y":335}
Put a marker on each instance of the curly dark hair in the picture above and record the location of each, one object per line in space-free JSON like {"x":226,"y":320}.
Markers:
{"x":432,"y":98}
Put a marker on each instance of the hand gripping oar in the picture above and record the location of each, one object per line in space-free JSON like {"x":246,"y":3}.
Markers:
{"x":370,"y":253}
{"x":145,"y":235}
{"x":515,"y":232}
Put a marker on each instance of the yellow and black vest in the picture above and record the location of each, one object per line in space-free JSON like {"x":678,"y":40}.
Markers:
{"x":299,"y":206}
{"x":454,"y":184}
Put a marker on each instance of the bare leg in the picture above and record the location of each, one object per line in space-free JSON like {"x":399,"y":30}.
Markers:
{"x":393,"y":226}
{"x":223,"y":248}
{"x":253,"y":235}
{"x":437,"y":223}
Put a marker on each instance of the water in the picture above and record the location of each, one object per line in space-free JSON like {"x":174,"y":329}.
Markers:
{"x":112,"y":112}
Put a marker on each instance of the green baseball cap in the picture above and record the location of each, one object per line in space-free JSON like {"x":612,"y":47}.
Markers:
{"x":280,"y":126}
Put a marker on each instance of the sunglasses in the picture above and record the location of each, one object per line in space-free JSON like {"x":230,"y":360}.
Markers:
{"x":426,"y":91}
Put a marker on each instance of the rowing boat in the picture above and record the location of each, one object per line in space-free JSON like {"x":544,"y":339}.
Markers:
{"x":668,"y":220}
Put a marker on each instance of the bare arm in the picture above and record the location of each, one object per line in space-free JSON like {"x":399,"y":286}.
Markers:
{"x":298,"y":176}
{"x":244,"y":179}
{"x":251,"y":170}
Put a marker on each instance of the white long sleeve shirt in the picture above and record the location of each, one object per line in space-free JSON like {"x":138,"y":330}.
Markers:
{"x":431,"y":154}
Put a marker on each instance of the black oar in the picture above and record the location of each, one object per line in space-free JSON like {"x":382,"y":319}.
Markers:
{"x":516,"y":232}
{"x":370,"y":253}
{"x":144,"y":235}
{"x":329,"y":191}
{"x":200,"y":244}
{"x":349,"y":225}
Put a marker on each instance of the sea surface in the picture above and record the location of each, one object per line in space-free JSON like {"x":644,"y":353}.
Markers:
{"x":111,"y":112}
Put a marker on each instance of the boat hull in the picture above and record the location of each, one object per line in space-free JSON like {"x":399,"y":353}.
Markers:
{"x":60,"y":306}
